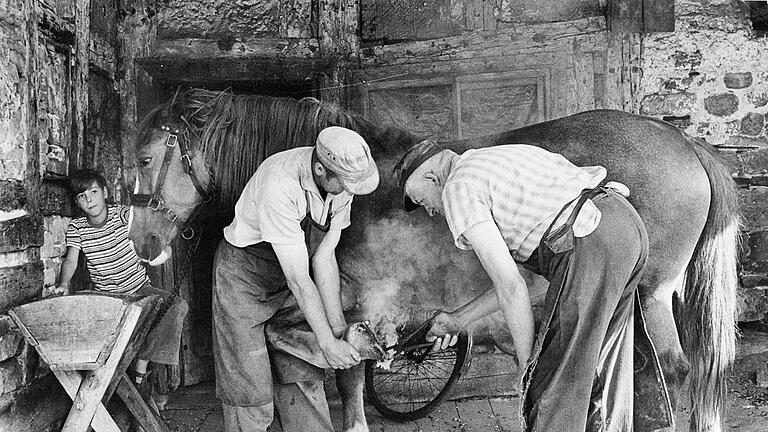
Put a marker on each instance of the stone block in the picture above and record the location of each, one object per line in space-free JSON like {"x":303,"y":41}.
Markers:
{"x":37,"y":407}
{"x":752,"y":162}
{"x":10,"y":338}
{"x":675,"y":104}
{"x":687,"y":60}
{"x":746,"y":142}
{"x":757,"y":260}
{"x":752,"y":303}
{"x":750,"y":280}
{"x":752,"y":124}
{"x":10,"y":376}
{"x":758,"y":99}
{"x":722,"y":105}
{"x":738,"y":80}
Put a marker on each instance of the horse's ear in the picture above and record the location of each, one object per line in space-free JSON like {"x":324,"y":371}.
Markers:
{"x":168,"y":109}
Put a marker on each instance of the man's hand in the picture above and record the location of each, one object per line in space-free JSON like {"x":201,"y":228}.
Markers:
{"x":340,"y":354}
{"x":444,"y":331}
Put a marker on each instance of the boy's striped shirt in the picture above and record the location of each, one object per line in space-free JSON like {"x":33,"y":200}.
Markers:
{"x":112,"y":263}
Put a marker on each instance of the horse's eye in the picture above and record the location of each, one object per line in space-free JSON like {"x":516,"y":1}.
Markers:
{"x":144,"y":162}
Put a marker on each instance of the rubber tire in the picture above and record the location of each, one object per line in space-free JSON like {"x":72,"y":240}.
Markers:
{"x":464,"y":348}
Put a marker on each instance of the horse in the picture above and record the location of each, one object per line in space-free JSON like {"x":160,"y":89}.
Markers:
{"x":682,"y":191}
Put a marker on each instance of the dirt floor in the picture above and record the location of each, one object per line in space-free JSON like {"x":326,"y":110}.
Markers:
{"x":195,"y":409}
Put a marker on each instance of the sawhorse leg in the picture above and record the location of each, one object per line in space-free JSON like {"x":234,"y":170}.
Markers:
{"x":70,"y":380}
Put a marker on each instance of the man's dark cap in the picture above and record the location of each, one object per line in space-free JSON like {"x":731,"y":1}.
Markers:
{"x":412,"y":159}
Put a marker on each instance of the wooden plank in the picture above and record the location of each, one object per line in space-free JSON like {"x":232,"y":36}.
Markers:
{"x":21,"y":233}
{"x":70,"y":380}
{"x":264,"y":47}
{"x":492,"y":44}
{"x":584,"y":82}
{"x":489,"y":18}
{"x":598,"y":67}
{"x":658,"y":16}
{"x":197,"y":71}
{"x":474,"y":14}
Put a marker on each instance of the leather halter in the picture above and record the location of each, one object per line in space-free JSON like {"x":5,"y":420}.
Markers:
{"x":154,"y":201}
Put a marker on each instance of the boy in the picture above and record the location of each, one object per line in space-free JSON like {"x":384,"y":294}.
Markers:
{"x":114,"y":267}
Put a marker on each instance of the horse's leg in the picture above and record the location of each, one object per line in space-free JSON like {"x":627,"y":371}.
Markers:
{"x":656,"y":303}
{"x":288,"y":331}
{"x":350,"y":385}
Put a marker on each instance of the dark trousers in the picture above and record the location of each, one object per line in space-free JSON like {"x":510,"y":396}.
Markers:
{"x":581,"y":376}
{"x":163,"y":341}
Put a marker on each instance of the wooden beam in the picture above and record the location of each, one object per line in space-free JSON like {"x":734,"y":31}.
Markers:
{"x":641,"y":16}
{"x":625,"y":16}
{"x":197,"y":48}
{"x":228,"y":69}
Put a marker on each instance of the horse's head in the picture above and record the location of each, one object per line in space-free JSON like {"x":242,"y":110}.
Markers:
{"x":171,"y":181}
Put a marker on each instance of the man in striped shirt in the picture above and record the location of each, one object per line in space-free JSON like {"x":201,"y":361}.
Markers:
{"x":522,"y":204}
{"x":102,"y":236}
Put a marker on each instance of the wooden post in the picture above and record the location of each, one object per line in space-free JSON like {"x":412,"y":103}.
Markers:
{"x":337,"y":33}
{"x":136,"y":32}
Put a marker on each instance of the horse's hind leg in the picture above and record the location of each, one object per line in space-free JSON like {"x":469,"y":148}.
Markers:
{"x":660,"y":322}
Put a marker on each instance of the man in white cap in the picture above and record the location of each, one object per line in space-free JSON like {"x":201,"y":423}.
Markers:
{"x":289,"y":215}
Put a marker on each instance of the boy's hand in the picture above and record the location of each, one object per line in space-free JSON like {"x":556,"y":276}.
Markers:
{"x":340,"y":354}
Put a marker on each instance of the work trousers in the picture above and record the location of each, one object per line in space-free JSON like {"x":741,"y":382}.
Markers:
{"x":244,"y":299}
{"x":163,"y":341}
{"x":580,"y":377}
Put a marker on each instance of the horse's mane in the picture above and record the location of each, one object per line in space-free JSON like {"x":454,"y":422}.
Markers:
{"x":235,"y":133}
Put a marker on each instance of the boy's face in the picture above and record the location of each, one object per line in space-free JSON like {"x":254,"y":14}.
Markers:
{"x":93,"y":202}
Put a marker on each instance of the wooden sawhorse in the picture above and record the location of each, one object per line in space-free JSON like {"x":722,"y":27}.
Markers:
{"x":89,"y":339}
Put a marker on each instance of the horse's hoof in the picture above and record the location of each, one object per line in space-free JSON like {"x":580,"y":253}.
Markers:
{"x":360,"y":336}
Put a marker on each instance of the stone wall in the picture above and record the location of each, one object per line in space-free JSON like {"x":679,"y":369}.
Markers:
{"x":709,"y":78}
{"x":45,"y":100}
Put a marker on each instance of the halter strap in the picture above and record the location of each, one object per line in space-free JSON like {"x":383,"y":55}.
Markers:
{"x":154,"y":201}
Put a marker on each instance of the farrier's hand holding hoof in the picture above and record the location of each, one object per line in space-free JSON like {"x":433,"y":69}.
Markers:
{"x":340,"y":354}
{"x":444,"y":331}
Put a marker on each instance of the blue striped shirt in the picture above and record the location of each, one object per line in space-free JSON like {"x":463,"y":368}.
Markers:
{"x":111,"y":261}
{"x":520,"y":188}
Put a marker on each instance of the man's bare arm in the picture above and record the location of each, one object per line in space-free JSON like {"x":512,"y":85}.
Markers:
{"x":509,"y":285}
{"x":328,"y":282}
{"x":294,"y":261}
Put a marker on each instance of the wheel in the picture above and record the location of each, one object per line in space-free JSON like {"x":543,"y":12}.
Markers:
{"x":418,"y":379}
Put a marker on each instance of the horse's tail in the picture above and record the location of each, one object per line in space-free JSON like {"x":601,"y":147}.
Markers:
{"x":709,"y":302}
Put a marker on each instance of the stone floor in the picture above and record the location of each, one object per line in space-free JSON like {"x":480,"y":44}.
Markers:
{"x":195,"y":409}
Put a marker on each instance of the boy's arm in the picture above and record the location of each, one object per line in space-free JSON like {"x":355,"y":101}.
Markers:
{"x":68,"y":267}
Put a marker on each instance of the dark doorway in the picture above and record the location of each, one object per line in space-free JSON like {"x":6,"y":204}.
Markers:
{"x":191,"y":268}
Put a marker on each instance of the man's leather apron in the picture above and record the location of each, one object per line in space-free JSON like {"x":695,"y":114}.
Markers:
{"x":242,"y":376}
{"x":652,"y":407}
